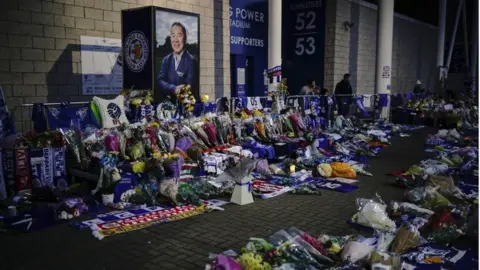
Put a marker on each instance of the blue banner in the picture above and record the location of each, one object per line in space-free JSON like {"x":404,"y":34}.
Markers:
{"x":303,"y":26}
{"x":248,"y":38}
{"x":137,"y":48}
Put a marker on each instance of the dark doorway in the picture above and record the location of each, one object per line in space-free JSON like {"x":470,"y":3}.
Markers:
{"x":250,"y":76}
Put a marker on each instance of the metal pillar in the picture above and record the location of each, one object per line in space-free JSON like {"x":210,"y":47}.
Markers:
{"x":442,"y":18}
{"x":474,"y":55}
{"x":384,"y":51}
{"x":454,"y":33}
{"x":465,"y":37}
{"x":274,"y":39}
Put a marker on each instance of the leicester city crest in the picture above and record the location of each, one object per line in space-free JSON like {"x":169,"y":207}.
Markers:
{"x":136,"y":51}
{"x":114,"y":111}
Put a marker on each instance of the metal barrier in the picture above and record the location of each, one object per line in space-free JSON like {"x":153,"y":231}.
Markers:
{"x":22,"y":114}
{"x":370,"y":102}
{"x":260,"y":102}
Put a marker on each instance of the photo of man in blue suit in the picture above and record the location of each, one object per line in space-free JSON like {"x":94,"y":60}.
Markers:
{"x":178,"y":68}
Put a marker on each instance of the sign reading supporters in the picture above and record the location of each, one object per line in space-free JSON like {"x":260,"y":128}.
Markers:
{"x":304,"y":42}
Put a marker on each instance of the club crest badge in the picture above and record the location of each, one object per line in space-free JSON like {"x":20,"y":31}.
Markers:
{"x":136,"y":51}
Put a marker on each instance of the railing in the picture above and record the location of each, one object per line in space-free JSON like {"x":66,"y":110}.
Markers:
{"x":22,"y":114}
{"x":325,"y":106}
{"x":260,"y":102}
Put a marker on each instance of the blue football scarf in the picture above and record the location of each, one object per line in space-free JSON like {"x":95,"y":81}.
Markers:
{"x":452,"y":257}
{"x":319,"y":183}
{"x":359,"y":103}
{"x":333,"y":185}
{"x":470,"y":190}
{"x":383,"y":101}
{"x":52,"y":118}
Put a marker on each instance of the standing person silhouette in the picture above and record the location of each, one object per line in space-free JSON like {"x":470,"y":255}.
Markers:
{"x":308,"y":89}
{"x":343,"y":95}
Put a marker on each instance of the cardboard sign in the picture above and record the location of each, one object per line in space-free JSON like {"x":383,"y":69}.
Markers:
{"x":254,"y":103}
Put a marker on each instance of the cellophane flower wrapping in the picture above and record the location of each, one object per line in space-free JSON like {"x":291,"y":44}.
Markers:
{"x":384,"y":241}
{"x":258,"y":245}
{"x":313,"y":246}
{"x":261,"y":166}
{"x":358,"y":249}
{"x":173,"y":166}
{"x":112,"y":143}
{"x":221,"y":132}
{"x":190,"y":133}
{"x":183,"y":144}
{"x":226,"y":263}
{"x":294,"y":251}
{"x":434,"y":199}
{"x":405,"y":239}
{"x":211,"y":132}
{"x":239,"y":172}
{"x":410,"y":209}
{"x":373,"y":214}
{"x":169,"y":189}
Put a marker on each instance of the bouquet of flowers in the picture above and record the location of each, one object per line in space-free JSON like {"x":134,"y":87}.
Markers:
{"x":187,"y":99}
{"x":283,"y":87}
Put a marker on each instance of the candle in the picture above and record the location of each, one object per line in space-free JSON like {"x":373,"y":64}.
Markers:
{"x":292,"y":168}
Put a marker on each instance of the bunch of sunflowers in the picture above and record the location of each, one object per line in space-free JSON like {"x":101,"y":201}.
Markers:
{"x":187,"y":99}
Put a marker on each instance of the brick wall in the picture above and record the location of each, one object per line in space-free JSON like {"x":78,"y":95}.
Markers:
{"x":354,"y":50}
{"x":40,"y":52}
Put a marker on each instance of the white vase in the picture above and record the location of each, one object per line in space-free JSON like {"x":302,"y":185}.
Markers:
{"x":107,"y":199}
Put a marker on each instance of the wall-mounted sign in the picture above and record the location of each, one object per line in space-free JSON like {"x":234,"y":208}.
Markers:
{"x":241,"y":82}
{"x":248,"y":26}
{"x":386,"y":72}
{"x":303,"y":42}
{"x":101,"y":66}
{"x":249,"y":38}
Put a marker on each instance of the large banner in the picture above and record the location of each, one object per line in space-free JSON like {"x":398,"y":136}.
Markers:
{"x":303,"y":47}
{"x":177,"y":52}
{"x":137,"y":48}
{"x":249,"y":45}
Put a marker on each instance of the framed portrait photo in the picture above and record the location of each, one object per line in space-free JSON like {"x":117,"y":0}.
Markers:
{"x":176,"y":52}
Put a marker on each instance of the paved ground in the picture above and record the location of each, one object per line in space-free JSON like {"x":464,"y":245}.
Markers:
{"x":185,"y":244}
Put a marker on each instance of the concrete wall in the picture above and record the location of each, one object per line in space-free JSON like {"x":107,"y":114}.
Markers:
{"x":354,"y":50}
{"x":40,"y":52}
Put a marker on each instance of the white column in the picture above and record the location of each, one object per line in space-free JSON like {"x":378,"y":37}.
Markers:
{"x":465,"y":37}
{"x":454,"y":33}
{"x":384,"y":50}
{"x":274,"y":38}
{"x":442,"y":18}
